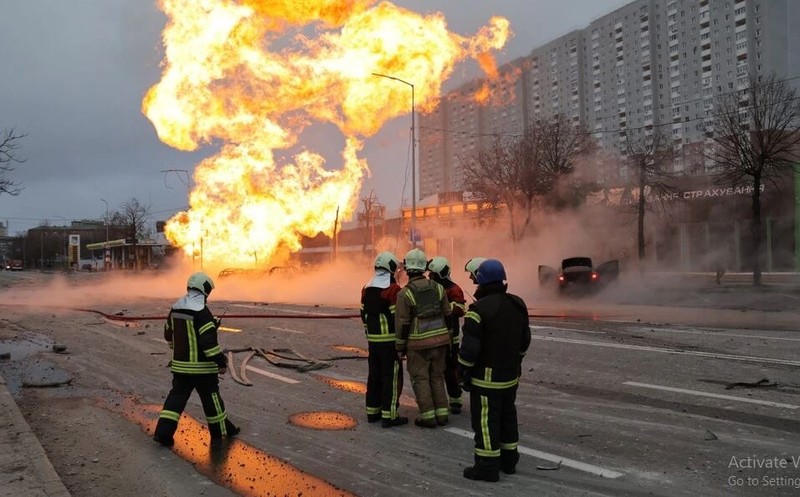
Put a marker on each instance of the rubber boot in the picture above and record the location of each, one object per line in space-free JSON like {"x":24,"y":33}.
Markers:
{"x":508,"y":461}
{"x":485,"y":469}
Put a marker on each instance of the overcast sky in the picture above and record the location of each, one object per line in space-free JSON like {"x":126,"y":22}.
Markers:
{"x":73,"y":75}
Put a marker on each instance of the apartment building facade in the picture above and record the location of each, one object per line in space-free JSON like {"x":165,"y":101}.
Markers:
{"x":654,"y":63}
{"x":651,"y":64}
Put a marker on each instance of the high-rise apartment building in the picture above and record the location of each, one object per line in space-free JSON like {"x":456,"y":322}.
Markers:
{"x":650,"y":63}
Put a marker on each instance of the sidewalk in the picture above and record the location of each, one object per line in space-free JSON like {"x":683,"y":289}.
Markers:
{"x":24,"y":466}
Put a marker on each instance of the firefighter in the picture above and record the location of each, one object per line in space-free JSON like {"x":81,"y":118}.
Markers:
{"x":472,"y":265}
{"x":422,"y":336}
{"x":385,"y":377}
{"x":191,"y":331}
{"x":439,"y":271}
{"x":496,"y":337}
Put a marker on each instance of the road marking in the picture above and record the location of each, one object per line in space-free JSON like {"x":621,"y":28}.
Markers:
{"x":732,"y":357}
{"x":570,"y":463}
{"x":271,"y":375}
{"x":709,"y":394}
{"x":566,"y":329}
{"x":286,"y":329}
{"x":715,"y":334}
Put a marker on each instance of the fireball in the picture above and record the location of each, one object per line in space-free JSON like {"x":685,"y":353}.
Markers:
{"x":250,"y":76}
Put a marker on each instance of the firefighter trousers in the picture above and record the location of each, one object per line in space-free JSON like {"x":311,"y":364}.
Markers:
{"x":494,"y":421}
{"x":426,"y":368}
{"x":451,"y":380}
{"x":207,"y":386}
{"x":384,"y":381}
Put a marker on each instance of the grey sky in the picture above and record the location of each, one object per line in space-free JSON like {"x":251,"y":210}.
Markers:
{"x":74,"y":74}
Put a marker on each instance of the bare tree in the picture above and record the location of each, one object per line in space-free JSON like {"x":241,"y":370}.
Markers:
{"x":370,"y":217}
{"x":755,"y":140}
{"x":520,"y":171}
{"x":9,"y":144}
{"x":648,"y":153}
{"x":133,"y":218}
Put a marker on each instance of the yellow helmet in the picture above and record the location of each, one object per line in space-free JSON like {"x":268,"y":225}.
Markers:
{"x":440,"y":267}
{"x":415,"y":260}
{"x":387,"y":261}
{"x":472,"y":267}
{"x":201,"y":282}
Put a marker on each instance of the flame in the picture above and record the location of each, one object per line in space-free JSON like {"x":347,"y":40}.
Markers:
{"x":252,"y":75}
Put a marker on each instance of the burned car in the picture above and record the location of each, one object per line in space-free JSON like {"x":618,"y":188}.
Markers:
{"x":579,"y":275}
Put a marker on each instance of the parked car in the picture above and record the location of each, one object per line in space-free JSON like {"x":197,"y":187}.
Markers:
{"x":578,"y":275}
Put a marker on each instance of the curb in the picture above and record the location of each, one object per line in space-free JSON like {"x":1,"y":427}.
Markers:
{"x":21,"y":443}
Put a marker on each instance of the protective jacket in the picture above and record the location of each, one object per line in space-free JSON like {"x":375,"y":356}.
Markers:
{"x":377,"y":312}
{"x":496,"y":336}
{"x":191,"y":331}
{"x":458,"y":304}
{"x":422,"y":306}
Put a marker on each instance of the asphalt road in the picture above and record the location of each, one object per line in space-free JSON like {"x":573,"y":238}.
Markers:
{"x":618,"y":397}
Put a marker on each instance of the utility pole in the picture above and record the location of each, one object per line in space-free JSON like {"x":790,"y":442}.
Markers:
{"x":106,"y":253}
{"x":413,"y":159}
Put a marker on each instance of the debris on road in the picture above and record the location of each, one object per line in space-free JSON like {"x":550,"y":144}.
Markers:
{"x":549,"y":468}
{"x":762,"y":383}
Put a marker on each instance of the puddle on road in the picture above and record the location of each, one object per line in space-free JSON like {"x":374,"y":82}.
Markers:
{"x":354,"y":350}
{"x":23,"y":368}
{"x":22,"y":348}
{"x":239,"y":466}
{"x":323,"y":420}
{"x":345,"y":385}
{"x":359,"y":387}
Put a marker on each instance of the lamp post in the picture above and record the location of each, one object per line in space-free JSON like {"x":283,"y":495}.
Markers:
{"x":106,"y":220}
{"x":413,"y":160}
{"x":106,"y":254}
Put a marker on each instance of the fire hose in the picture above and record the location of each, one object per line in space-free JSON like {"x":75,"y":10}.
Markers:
{"x":301,"y":363}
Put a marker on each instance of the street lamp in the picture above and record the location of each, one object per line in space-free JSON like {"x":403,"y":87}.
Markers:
{"x":413,"y":160}
{"x":106,"y":254}
{"x":106,"y":202}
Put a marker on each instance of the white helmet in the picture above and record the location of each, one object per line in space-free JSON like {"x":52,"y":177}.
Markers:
{"x":415,"y":260}
{"x":387,"y":261}
{"x":202,"y":282}
{"x":440,"y":267}
{"x":472,"y":267}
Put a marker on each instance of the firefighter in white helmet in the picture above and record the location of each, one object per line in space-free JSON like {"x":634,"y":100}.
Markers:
{"x":439,"y":271}
{"x":422,"y":335}
{"x":385,"y":376}
{"x":191,"y":332}
{"x":472,"y":266}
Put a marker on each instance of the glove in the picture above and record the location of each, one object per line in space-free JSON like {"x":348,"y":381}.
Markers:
{"x":217,"y":322}
{"x":222,"y":371}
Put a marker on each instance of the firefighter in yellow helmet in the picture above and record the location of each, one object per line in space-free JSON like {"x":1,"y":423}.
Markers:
{"x":472,"y":266}
{"x":439,"y":271}
{"x":385,"y":375}
{"x":422,"y":335}
{"x":191,"y":332}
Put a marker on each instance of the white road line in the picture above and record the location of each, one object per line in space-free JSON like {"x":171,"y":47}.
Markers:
{"x":533,"y":327}
{"x":286,"y":329}
{"x":159,"y":340}
{"x":272,"y":375}
{"x":715,"y":334}
{"x":732,"y":357}
{"x":570,"y":463}
{"x":712,"y":395}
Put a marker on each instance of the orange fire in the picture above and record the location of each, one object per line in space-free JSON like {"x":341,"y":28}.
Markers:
{"x":251,"y":75}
